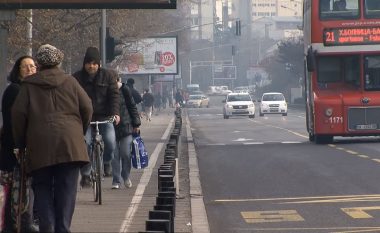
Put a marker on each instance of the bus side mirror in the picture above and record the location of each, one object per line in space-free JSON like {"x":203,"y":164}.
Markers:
{"x":310,"y":60}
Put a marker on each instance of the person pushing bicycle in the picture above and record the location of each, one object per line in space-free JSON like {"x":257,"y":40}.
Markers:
{"x":101,"y":86}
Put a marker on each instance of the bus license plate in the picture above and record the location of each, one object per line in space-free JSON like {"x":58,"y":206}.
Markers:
{"x":371,"y":126}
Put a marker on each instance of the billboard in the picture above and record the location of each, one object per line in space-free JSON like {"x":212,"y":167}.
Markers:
{"x":88,"y":4}
{"x":157,"y":55}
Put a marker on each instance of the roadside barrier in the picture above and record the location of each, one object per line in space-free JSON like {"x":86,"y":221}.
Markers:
{"x":161,"y":218}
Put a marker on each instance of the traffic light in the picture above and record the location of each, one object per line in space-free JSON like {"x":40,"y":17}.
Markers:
{"x":238,"y":27}
{"x":111,"y":50}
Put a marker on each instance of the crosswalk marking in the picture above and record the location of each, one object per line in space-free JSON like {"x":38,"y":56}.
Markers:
{"x":272,"y":216}
{"x":360,"y":212}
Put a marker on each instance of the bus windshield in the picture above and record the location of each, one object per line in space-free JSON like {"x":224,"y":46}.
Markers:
{"x":372,"y":9}
{"x":339,"y":9}
{"x":339,"y":69}
{"x":372,"y":73}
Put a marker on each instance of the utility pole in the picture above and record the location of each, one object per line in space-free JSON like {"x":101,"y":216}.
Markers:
{"x":29,"y":29}
{"x":103,"y":37}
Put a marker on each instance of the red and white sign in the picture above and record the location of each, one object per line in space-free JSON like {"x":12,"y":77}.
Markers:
{"x":149,"y":56}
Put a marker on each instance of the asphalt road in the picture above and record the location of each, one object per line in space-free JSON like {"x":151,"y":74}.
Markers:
{"x":263,"y":175}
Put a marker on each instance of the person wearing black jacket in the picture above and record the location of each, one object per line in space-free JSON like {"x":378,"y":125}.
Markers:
{"x":129,"y":123}
{"x":135,"y":94}
{"x":100,"y":85}
{"x":23,"y":68}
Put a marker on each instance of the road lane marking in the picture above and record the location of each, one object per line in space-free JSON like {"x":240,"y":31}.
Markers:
{"x":376,"y":160}
{"x":271,"y":216}
{"x":277,"y":127}
{"x":253,"y":143}
{"x":302,"y":200}
{"x":360,"y":212}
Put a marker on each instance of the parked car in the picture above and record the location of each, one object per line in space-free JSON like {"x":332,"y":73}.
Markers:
{"x":198,"y":101}
{"x":238,"y":104}
{"x":218,"y":90}
{"x":273,"y":103}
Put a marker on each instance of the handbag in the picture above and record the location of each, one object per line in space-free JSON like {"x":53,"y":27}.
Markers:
{"x":140,"y":157}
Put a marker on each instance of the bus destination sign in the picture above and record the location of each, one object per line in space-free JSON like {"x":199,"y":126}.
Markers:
{"x":351,"y":36}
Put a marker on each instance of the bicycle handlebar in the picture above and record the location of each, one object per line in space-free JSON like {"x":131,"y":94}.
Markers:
{"x":110,"y":120}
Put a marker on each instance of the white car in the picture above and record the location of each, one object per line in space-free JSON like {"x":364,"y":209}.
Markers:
{"x":198,"y":101}
{"x":238,"y":104}
{"x":273,"y":103}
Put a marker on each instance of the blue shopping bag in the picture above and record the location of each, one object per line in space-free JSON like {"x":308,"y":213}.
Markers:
{"x":140,"y":157}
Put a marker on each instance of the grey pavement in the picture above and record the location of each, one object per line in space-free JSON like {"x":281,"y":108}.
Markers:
{"x":127,"y":209}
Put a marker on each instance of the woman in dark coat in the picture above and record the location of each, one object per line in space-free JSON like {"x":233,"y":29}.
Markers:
{"x":50,"y":116}
{"x":23,"y":67}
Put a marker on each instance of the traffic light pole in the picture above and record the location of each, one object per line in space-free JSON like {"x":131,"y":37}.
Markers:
{"x":103,"y":38}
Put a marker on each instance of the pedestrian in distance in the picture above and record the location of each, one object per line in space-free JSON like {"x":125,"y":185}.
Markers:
{"x":129,"y":123}
{"x":136,"y":95}
{"x":178,"y":98}
{"x":148,"y":101}
{"x":164,"y":99}
{"x":50,"y":115}
{"x":157,"y":102}
{"x":100,"y":85}
{"x":9,"y":166}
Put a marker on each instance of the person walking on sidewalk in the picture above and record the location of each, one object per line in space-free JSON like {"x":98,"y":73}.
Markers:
{"x":129,"y":123}
{"x":136,"y":95}
{"x":23,"y":68}
{"x":148,"y":101}
{"x":50,"y":115}
{"x":101,"y":86}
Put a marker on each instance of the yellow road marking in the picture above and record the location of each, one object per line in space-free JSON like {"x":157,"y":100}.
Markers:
{"x":376,"y":160}
{"x":360,"y":212}
{"x":352,"y":152}
{"x":271,"y":216}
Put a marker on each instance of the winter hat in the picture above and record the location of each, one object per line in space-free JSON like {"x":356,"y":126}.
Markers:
{"x":130,"y":81}
{"x":48,"y":55}
{"x":92,"y":55}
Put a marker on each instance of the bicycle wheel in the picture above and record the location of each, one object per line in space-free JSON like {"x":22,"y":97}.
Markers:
{"x":94,"y":186}
{"x":95,"y":189}
{"x":98,"y":167}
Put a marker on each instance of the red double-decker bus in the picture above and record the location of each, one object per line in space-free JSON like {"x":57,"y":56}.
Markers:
{"x":342,"y":68}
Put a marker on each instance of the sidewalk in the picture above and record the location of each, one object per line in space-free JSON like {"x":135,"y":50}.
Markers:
{"x":126,"y":210}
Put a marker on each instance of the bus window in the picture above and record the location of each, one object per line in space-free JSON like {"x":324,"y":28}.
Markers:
{"x":372,"y":9}
{"x":338,"y":9}
{"x":336,"y":69}
{"x":351,"y":70}
{"x":372,"y":73}
{"x":329,"y":70}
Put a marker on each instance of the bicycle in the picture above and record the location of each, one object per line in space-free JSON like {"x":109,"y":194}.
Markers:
{"x":97,"y":149}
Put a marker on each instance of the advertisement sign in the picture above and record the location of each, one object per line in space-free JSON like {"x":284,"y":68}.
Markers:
{"x":157,"y":55}
{"x":88,"y":4}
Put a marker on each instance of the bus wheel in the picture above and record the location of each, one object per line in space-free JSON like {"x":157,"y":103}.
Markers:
{"x":323,"y":139}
